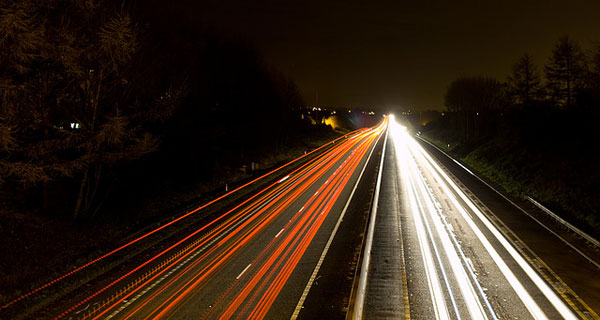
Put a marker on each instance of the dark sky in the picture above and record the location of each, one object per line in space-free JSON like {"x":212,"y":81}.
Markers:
{"x":390,"y":54}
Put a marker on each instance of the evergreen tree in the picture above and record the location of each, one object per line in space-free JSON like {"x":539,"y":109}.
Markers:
{"x":565,"y":72}
{"x":524,"y":81}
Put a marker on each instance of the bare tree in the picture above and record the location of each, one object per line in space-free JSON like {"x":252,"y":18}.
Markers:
{"x":524,"y":83}
{"x":565,"y":72}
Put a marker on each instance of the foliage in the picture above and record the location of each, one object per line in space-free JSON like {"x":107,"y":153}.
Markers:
{"x":475,"y":100}
{"x":565,"y":72}
{"x":68,"y":107}
{"x":90,"y":101}
{"x":475,"y":94}
{"x":524,"y":83}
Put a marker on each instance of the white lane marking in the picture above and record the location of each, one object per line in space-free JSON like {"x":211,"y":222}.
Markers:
{"x":471,"y":263}
{"x":533,"y":307}
{"x":454,"y":251}
{"x":245,"y":269}
{"x":301,"y":209}
{"x":422,"y":211}
{"x":283,"y":179}
{"x":518,"y":207}
{"x":278,"y":233}
{"x":434,"y":286}
{"x":313,"y":276}
{"x":465,"y":168}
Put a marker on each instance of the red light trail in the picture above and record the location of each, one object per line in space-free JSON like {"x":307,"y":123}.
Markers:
{"x":164,"y":283}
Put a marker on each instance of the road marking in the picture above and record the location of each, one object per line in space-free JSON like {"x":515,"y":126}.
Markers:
{"x":518,"y":207}
{"x":283,"y":179}
{"x":246,"y":268}
{"x":521,"y":291}
{"x":522,"y":246}
{"x":362,"y":280}
{"x":313,"y":276}
{"x":278,"y":233}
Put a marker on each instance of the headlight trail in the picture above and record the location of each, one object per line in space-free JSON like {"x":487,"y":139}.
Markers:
{"x":416,"y":168}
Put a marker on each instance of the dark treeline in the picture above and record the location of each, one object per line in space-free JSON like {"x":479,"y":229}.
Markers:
{"x":569,"y":82}
{"x":99,"y":98}
{"x":536,"y":132}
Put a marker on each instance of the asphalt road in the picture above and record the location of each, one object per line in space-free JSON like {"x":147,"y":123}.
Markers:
{"x":259,"y":259}
{"x":444,"y":246}
{"x":440,"y":253}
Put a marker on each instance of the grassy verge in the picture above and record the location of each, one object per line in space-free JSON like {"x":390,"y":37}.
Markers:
{"x":562,"y":184}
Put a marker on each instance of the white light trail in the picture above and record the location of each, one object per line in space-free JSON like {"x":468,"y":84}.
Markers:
{"x":435,"y":288}
{"x":408,"y":152}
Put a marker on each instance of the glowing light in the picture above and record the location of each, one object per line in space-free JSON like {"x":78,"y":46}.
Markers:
{"x":413,"y":159}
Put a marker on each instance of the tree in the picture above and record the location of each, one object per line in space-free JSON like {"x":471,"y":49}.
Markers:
{"x":473,"y":100}
{"x":594,"y":71}
{"x":69,"y":107}
{"x":565,"y":72}
{"x":524,"y":81}
{"x":475,"y":94}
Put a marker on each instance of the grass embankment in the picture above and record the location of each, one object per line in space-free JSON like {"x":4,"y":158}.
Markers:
{"x":30,"y":261}
{"x":559,"y":169}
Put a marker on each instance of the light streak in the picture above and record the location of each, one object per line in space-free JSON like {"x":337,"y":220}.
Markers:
{"x":450,"y":189}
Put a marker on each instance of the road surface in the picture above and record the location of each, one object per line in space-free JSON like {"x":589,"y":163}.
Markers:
{"x":257,"y":260}
{"x":439,"y":244}
{"x":439,"y":253}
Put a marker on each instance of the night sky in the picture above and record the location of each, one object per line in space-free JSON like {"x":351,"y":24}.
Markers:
{"x":391,"y":54}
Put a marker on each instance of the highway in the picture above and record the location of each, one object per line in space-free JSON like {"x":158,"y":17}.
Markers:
{"x":374,"y":226}
{"x":439,"y":253}
{"x":257,"y":260}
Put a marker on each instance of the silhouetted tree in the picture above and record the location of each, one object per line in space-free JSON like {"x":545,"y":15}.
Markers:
{"x":524,"y":81}
{"x":565,"y":72}
{"x":594,"y":72}
{"x":68,"y":106}
{"x":473,"y":99}
{"x":475,"y":94}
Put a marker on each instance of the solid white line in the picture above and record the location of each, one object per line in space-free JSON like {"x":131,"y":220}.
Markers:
{"x":245,"y":269}
{"x":362,"y":281}
{"x":466,"y":288}
{"x":539,"y":282}
{"x":435,"y":289}
{"x":313,"y":276}
{"x":521,"y":209}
